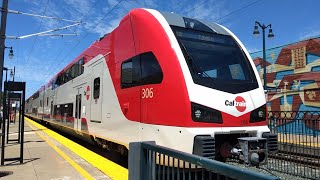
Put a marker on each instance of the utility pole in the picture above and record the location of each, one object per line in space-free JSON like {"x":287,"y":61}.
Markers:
{"x":4,"y":12}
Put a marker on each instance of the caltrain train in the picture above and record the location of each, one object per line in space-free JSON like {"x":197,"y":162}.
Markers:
{"x":184,"y":83}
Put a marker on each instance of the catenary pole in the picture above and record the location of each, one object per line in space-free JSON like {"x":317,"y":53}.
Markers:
{"x":4,"y":12}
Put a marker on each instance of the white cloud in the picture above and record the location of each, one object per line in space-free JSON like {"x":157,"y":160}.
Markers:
{"x":208,"y":10}
{"x":150,"y":4}
{"x":112,"y":3}
{"x":80,"y":6}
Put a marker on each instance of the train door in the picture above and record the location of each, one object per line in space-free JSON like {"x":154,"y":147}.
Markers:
{"x":51,"y":109}
{"x":77,"y":120}
{"x":96,"y":100}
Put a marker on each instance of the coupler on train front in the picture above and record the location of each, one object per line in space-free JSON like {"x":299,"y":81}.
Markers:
{"x":252,"y":151}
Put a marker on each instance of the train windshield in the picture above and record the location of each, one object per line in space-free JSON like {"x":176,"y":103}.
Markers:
{"x":216,"y":61}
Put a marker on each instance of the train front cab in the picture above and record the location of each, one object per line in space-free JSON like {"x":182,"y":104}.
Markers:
{"x":209,"y":89}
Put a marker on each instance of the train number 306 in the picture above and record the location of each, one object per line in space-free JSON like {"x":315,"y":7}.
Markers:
{"x":147,"y":93}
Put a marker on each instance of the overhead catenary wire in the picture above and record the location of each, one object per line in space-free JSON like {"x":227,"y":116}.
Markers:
{"x":233,"y":12}
{"x":224,"y":16}
{"x":35,"y":40}
{"x":44,"y":33}
{"x":41,"y":16}
{"x":178,"y":6}
{"x":79,"y":41}
{"x":41,"y":33}
{"x":199,"y":5}
{"x":64,"y":46}
{"x":93,"y":28}
{"x":85,"y":15}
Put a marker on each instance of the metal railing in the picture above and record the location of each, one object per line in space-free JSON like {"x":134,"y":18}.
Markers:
{"x":298,"y":143}
{"x":150,"y":161}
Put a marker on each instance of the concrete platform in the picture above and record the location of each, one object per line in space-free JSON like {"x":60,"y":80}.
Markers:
{"x":45,"y":158}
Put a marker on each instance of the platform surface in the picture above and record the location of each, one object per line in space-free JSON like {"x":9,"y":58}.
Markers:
{"x":46,"y":157}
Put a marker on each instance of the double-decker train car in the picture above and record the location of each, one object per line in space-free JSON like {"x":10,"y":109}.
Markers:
{"x":186,"y":84}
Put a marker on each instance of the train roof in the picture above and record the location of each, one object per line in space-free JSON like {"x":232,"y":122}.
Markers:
{"x":191,"y":23}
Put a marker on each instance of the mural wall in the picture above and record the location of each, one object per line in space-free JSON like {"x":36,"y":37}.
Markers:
{"x":293,"y":76}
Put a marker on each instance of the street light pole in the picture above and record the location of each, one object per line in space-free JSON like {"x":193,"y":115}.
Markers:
{"x":13,"y":72}
{"x":6,"y":69}
{"x":270,"y":35}
{"x":264,"y":60}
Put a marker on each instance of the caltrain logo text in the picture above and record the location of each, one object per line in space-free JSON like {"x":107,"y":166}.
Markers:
{"x":239,"y":103}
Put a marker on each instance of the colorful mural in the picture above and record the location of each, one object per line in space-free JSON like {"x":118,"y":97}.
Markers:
{"x":293,"y":76}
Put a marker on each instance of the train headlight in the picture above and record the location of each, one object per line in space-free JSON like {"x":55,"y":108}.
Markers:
{"x":204,"y":114}
{"x":258,"y":114}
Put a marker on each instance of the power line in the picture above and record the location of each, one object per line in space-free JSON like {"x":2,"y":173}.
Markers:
{"x":41,"y":16}
{"x":177,"y":6}
{"x":79,"y":41}
{"x":86,"y":14}
{"x":96,"y":25}
{"x":35,"y":40}
{"x":238,"y":10}
{"x":64,"y":46}
{"x":233,"y":12}
{"x":199,"y":5}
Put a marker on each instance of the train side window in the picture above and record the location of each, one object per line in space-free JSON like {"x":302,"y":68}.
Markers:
{"x":59,"y":80}
{"x":76,"y":69}
{"x":68,"y":75}
{"x":96,"y":88}
{"x":55,"y":109}
{"x":36,"y":95}
{"x":70,"y":110}
{"x":126,"y":74}
{"x":54,"y":84}
{"x":151,"y":72}
{"x":72,"y":71}
{"x":81,"y":68}
{"x":63,"y":110}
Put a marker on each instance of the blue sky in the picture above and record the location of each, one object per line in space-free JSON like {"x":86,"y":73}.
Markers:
{"x":37,"y":59}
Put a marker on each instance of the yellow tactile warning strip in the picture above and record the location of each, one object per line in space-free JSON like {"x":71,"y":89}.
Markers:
{"x":111,"y":169}
{"x":304,"y":140}
{"x":310,"y":144}
{"x":76,"y":166}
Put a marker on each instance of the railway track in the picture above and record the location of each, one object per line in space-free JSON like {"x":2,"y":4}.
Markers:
{"x":300,"y":158}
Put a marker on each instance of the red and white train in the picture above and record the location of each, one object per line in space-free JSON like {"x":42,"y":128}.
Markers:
{"x":186,"y":84}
